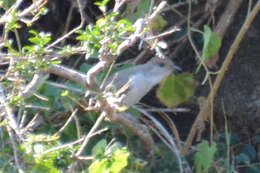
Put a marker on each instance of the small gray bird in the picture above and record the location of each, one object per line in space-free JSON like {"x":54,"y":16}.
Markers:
{"x":141,"y":78}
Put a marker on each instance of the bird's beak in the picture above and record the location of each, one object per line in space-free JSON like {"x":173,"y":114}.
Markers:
{"x":176,"y":68}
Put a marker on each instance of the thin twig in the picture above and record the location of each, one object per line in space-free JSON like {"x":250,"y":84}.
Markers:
{"x":168,"y":110}
{"x":37,"y":107}
{"x":165,"y":133}
{"x":93,"y":129}
{"x":173,"y":128}
{"x":163,"y":34}
{"x":67,"y":122}
{"x":64,"y":87}
{"x":71,"y":144}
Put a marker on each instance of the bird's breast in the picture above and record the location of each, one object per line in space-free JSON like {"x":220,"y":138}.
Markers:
{"x":139,"y":87}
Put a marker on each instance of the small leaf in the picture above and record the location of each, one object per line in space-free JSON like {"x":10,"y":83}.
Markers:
{"x":120,"y":160}
{"x":44,"y":11}
{"x":98,"y":166}
{"x":176,"y":89}
{"x":99,"y":147}
{"x":82,"y":37}
{"x":113,"y":162}
{"x":55,"y":62}
{"x":212,"y":43}
{"x":35,"y":40}
{"x":33,"y":32}
{"x":204,"y":157}
{"x":65,"y":93}
{"x":101,"y":3}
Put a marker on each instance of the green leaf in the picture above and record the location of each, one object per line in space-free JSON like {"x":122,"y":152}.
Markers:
{"x":114,"y":164}
{"x":40,"y":38}
{"x":98,"y":166}
{"x":176,"y":89}
{"x":55,"y":62}
{"x":204,"y":157}
{"x":212,"y":43}
{"x":99,"y":148}
{"x":101,"y":3}
{"x":65,"y":93}
{"x":44,"y":11}
{"x":33,"y":32}
{"x":124,"y":25}
{"x":82,"y":37}
{"x":120,"y":160}
{"x":35,"y":40}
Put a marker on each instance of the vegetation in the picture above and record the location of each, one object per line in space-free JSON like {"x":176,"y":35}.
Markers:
{"x":57,"y":116}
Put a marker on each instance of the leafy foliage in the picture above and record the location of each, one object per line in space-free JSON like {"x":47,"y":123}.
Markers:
{"x":32,"y":54}
{"x":105,"y":31}
{"x":113,"y":159}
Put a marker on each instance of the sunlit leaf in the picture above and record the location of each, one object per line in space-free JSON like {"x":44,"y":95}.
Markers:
{"x":120,"y":160}
{"x":176,"y":89}
{"x":65,"y":93}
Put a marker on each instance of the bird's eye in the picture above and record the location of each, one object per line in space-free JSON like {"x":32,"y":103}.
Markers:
{"x":161,"y":64}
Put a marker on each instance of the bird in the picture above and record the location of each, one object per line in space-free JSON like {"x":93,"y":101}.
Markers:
{"x":141,"y":78}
